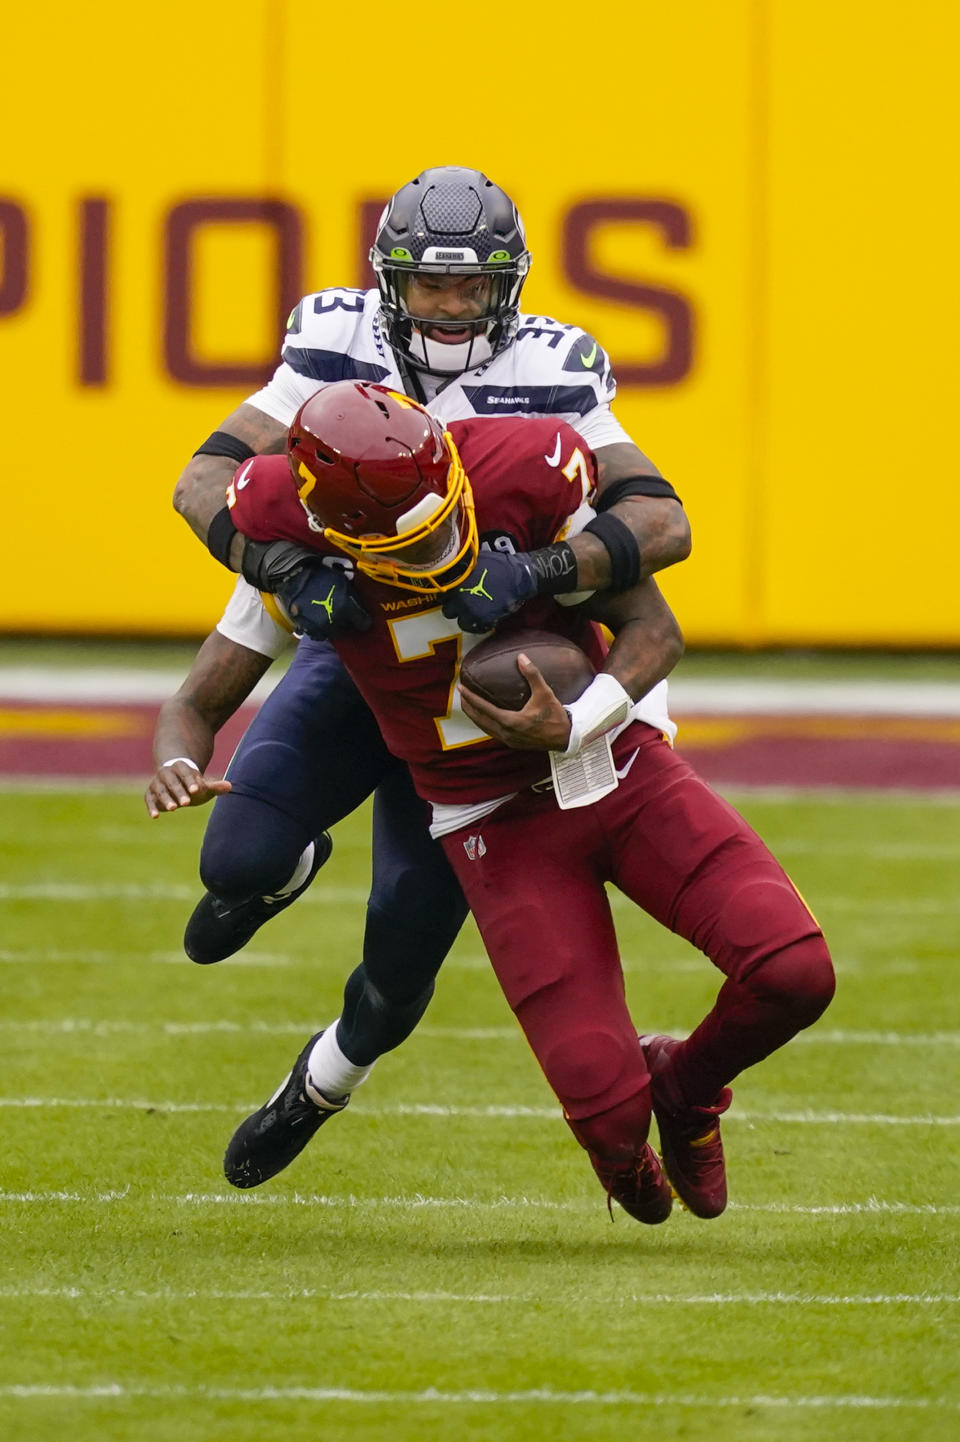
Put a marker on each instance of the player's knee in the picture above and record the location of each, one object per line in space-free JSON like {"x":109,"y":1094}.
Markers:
{"x":591,"y":1071}
{"x":241,"y":858}
{"x":799,"y":978}
{"x":375,"y":1021}
{"x":398,"y":987}
{"x":759,"y":913}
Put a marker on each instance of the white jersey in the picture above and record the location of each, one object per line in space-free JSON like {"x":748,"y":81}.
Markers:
{"x":548,"y":369}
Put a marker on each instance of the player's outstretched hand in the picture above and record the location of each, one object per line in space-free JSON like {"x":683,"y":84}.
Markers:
{"x":499,"y":584}
{"x":320,"y":601}
{"x":542,"y":725}
{"x":179,"y":784}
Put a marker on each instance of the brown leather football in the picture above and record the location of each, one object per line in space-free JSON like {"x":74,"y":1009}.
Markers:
{"x":491,"y":670}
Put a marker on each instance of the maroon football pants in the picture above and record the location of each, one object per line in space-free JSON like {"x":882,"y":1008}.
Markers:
{"x":534,"y":876}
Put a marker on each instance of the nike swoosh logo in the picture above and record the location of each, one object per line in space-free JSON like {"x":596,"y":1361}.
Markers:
{"x":554,"y":460}
{"x":587,"y":360}
{"x":244,"y":476}
{"x":621,"y":771}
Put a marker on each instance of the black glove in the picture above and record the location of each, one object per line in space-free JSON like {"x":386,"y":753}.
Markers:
{"x":320,"y":602}
{"x":499,"y":584}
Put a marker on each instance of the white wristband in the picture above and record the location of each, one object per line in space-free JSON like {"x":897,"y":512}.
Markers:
{"x":602,"y":706}
{"x":185,"y":759}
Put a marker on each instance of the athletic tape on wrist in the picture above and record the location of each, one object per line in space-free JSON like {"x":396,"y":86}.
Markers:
{"x":186,"y":759}
{"x":604,"y":705}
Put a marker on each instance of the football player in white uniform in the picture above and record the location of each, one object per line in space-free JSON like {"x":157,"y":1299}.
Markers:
{"x":444,"y":326}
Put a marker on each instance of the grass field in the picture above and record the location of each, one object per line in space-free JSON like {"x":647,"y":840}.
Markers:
{"x":440,"y":1262}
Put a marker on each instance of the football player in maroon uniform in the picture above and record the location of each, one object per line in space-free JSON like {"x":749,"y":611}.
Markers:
{"x":583,"y":794}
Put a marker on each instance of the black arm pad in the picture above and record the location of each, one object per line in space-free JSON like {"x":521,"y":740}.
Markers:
{"x":634,"y":486}
{"x":222,"y":443}
{"x":220,"y":536}
{"x":623,"y":548}
{"x":266,"y":564}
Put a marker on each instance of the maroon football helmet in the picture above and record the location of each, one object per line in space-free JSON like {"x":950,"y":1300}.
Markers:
{"x":382,"y":480}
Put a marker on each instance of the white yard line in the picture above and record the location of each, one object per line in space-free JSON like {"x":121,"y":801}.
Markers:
{"x":253,"y":958}
{"x":537,"y":1113}
{"x":122,"y":958}
{"x":432,"y":1397}
{"x":873,"y":1207}
{"x":321,"y":895}
{"x":67,"y":1026}
{"x":621,"y":1299}
{"x":73,"y":891}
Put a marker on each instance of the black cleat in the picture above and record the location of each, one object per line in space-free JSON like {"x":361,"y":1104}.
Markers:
{"x":272,"y":1137}
{"x":218,"y":928}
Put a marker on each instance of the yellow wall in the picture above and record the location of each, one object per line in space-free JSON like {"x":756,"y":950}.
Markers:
{"x":778,"y":172}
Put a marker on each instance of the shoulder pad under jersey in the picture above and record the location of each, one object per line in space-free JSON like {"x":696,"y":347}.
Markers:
{"x":330,"y":336}
{"x":548,"y":369}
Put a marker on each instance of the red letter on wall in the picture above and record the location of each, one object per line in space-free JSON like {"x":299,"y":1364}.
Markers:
{"x":674,"y":224}
{"x":16,"y":237}
{"x":94,"y":227}
{"x":368,"y":213}
{"x":182,"y":222}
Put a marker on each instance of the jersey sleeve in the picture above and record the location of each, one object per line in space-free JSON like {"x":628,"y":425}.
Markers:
{"x":585,"y":359}
{"x":245,"y":621}
{"x":583,"y":385}
{"x":264,"y":504}
{"x":324,"y":330}
{"x":600,"y":427}
{"x":283,"y":395}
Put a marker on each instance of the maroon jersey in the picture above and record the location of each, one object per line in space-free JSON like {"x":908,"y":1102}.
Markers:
{"x":528,"y":478}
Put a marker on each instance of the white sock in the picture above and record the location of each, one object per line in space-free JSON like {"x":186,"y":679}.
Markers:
{"x":330,"y":1071}
{"x":300,"y":873}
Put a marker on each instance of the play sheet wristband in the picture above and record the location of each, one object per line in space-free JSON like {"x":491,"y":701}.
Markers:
{"x":582,"y":779}
{"x":585,"y":771}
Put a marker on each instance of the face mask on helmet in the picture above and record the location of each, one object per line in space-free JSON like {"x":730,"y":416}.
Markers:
{"x":450,"y":259}
{"x":382,"y":480}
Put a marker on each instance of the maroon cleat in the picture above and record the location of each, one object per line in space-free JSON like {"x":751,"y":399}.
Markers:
{"x":689,"y":1136}
{"x":640,"y":1187}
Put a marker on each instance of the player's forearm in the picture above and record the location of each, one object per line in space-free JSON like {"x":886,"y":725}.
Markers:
{"x":200,"y":493}
{"x":181,"y":730}
{"x":201,"y":490}
{"x":647,"y":643}
{"x":219,"y":681}
{"x":660,"y":529}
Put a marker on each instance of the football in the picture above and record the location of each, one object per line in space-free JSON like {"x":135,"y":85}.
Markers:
{"x":491,"y":670}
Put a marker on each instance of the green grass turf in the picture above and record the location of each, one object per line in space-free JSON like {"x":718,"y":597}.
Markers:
{"x":463,"y":1252}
